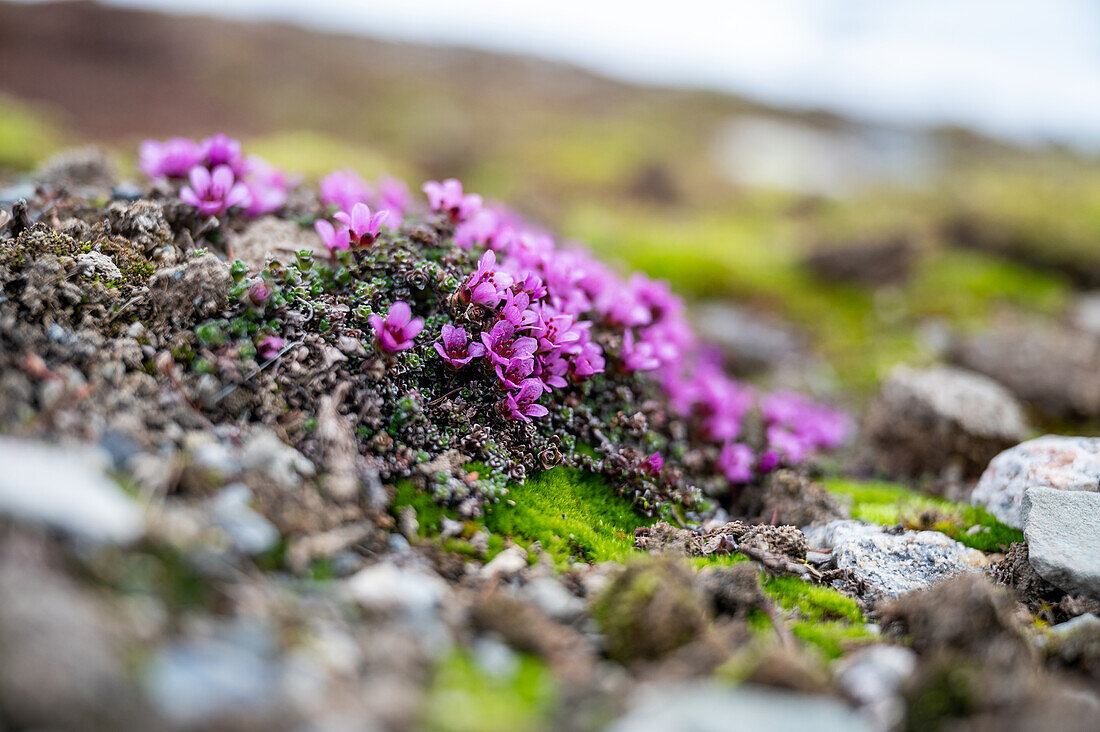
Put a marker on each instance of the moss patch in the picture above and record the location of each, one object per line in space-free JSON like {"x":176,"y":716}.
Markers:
{"x":464,"y":697}
{"x":889,"y":503}
{"x":574,"y":514}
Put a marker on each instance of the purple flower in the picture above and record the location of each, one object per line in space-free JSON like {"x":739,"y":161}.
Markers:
{"x":259,"y":293}
{"x":267,"y":187}
{"x":769,"y":461}
{"x":588,"y":362}
{"x":521,"y":404}
{"x":393,"y":196}
{"x":476,"y":230}
{"x":516,"y":310}
{"x":172,"y":158}
{"x":397,"y":330}
{"x":269,"y":347}
{"x":447,"y":197}
{"x":551,"y":369}
{"x":638,"y":356}
{"x":343,"y":189}
{"x":502,"y":345}
{"x":553,"y":330}
{"x":735,"y":462}
{"x":487,"y":283}
{"x":220,"y":149}
{"x":454,"y":349}
{"x":363,"y":226}
{"x":788,"y":444}
{"x":513,"y":373}
{"x":214,"y":193}
{"x":334,"y":239}
{"x":816,"y":426}
{"x":653,"y":464}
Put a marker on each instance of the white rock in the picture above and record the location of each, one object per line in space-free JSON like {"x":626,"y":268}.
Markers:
{"x":893,"y":564}
{"x":507,"y":564}
{"x":387,"y":588}
{"x":872,"y":678}
{"x":249,"y":530}
{"x":66,"y":488}
{"x":97,"y":264}
{"x":713,"y":708}
{"x":1052,"y":461}
{"x":264,"y":451}
{"x":554,"y":600}
{"x":1062,"y":529}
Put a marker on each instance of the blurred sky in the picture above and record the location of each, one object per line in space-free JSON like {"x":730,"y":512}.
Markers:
{"x":1028,"y":70}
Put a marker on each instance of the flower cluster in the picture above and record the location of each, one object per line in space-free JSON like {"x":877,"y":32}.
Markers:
{"x":219,"y":176}
{"x":396,"y":331}
{"x":548,"y":301}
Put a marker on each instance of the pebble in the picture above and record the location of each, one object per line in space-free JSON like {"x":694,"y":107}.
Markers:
{"x":872,"y":678}
{"x":1051,"y":461}
{"x":66,"y":488}
{"x":553,"y":599}
{"x":196,"y":682}
{"x":265,"y":452}
{"x":1062,"y":529}
{"x":385,"y":587}
{"x":893,"y":564}
{"x":250,"y":532}
{"x":713,"y":708}
{"x":507,"y":564}
{"x":97,"y":264}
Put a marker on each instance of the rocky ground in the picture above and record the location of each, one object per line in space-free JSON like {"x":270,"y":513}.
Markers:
{"x":195,"y":536}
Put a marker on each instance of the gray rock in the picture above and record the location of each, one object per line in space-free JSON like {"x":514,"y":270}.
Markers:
{"x":265,"y":452}
{"x":1051,"y":461}
{"x":713,"y":708}
{"x":890,"y":564}
{"x":553,"y":599}
{"x":65,"y":488}
{"x":97,"y":264}
{"x":1042,"y":362}
{"x":507,"y":564}
{"x":250,"y":532}
{"x":1062,"y":529}
{"x":1084,"y":313}
{"x":198,"y":682}
{"x":941,"y":419}
{"x":385,"y":587}
{"x":872,"y":678}
{"x":192,"y":291}
{"x":1087,"y":623}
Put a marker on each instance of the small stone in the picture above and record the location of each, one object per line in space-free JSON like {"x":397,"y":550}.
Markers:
{"x":97,"y":264}
{"x":192,"y":291}
{"x":197,"y":682}
{"x":553,"y":599}
{"x":250,"y":532}
{"x":387,"y":588}
{"x":889,"y":565}
{"x":265,"y":452}
{"x":507,"y":564}
{"x":1051,"y":461}
{"x":713,"y":708}
{"x":872,"y":678}
{"x":1062,"y":529}
{"x":495,"y":658}
{"x":65,"y":488}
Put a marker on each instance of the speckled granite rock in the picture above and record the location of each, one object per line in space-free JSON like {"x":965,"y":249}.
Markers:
{"x":890,"y":564}
{"x":1052,"y":461}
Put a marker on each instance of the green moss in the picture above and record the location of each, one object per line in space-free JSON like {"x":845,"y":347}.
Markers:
{"x":463,"y":697}
{"x":833,"y":637}
{"x":889,"y":503}
{"x":575,"y":515}
{"x":814,"y":602}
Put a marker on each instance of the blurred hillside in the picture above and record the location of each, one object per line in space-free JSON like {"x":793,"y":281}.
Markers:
{"x":867,"y":239}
